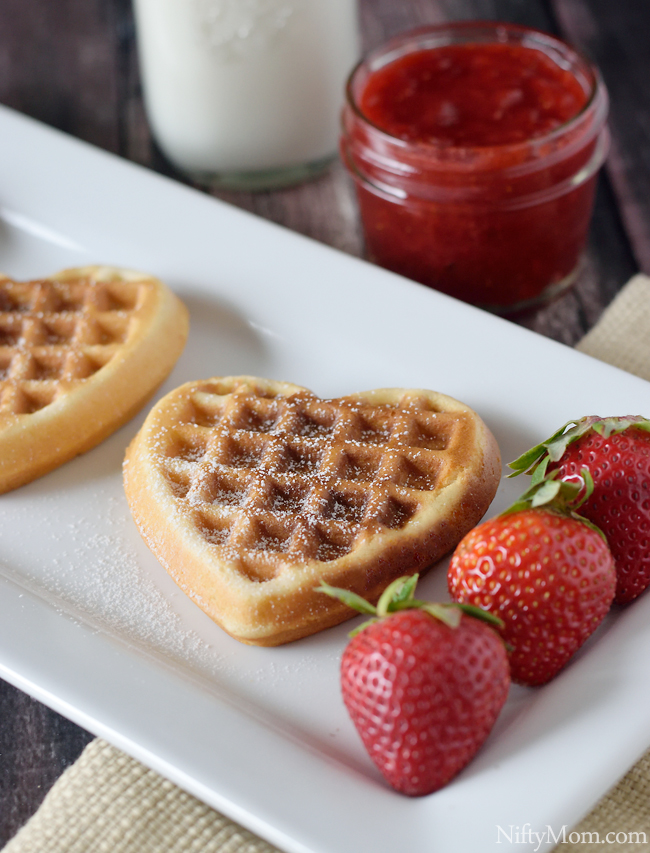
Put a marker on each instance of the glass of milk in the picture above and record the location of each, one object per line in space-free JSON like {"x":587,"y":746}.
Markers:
{"x":246,"y":94}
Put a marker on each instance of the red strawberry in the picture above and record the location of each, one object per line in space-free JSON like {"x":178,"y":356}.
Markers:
{"x":545,"y":572}
{"x":617,"y":453}
{"x":423,"y":684}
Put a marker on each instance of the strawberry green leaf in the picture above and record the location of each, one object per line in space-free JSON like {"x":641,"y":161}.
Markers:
{"x":400,"y":590}
{"x":611,"y":426}
{"x":588,"y":485}
{"x":525,"y":462}
{"x":409,"y":604}
{"x":361,"y":627}
{"x":539,"y":472}
{"x":399,"y":595}
{"x":554,"y":447}
{"x":560,"y":495}
{"x":449,"y":614}
{"x":546,"y":492}
{"x":479,"y":613}
{"x":356,"y":602}
{"x":407,"y":590}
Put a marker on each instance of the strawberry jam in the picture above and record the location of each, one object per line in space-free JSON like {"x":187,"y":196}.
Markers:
{"x":474,"y":149}
{"x":472,"y":94}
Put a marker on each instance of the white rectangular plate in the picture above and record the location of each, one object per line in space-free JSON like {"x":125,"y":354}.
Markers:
{"x":91,"y":625}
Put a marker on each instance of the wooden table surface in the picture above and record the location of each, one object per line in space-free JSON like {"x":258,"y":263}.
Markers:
{"x":72,"y":64}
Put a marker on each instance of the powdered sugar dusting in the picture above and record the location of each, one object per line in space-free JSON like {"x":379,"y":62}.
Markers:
{"x":293,"y":476}
{"x":116,"y":592}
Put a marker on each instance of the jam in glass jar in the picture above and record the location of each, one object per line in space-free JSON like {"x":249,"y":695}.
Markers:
{"x":474,"y":148}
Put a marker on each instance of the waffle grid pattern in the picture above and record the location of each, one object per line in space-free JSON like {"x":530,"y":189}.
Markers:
{"x":55,"y":334}
{"x":270,"y":479}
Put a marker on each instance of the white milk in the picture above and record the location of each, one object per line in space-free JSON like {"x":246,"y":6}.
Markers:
{"x":236,"y":86}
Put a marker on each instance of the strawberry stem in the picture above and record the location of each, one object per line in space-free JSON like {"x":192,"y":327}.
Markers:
{"x":399,"y":595}
{"x":399,"y":592}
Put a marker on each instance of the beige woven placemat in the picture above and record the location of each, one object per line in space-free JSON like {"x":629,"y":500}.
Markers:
{"x":622,"y":335}
{"x":109,"y":803}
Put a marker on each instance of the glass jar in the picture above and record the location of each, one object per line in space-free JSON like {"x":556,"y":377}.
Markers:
{"x":246,"y":94}
{"x":498,"y":225}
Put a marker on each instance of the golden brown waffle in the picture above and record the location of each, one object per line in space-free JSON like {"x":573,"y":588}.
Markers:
{"x":80,"y":352}
{"x":249,"y":492}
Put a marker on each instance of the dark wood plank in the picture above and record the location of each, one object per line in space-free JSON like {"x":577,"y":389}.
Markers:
{"x":619,"y":237}
{"x":381,"y":19}
{"x":36,"y":745}
{"x":58,"y":65}
{"x":615,"y":35}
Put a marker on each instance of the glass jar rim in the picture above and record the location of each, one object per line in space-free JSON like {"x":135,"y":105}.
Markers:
{"x":390,"y":51}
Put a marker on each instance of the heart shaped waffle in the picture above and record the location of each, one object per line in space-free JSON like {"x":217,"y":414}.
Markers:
{"x":80,"y":352}
{"x":249,"y":492}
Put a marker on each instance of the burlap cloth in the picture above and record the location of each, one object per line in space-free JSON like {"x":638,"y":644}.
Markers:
{"x":109,"y":803}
